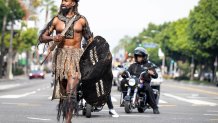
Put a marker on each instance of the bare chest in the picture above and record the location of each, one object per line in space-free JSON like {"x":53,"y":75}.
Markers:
{"x":77,"y":27}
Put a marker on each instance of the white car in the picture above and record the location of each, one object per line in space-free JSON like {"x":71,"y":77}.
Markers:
{"x":117,"y":75}
{"x":155,"y":83}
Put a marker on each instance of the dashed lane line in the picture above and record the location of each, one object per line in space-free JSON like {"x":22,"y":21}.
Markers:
{"x":41,"y":119}
{"x":192,"y":101}
{"x":211,"y":114}
{"x":3,"y":87}
{"x":162,"y":101}
{"x":17,"y":96}
{"x":193,"y":89}
{"x":20,"y":104}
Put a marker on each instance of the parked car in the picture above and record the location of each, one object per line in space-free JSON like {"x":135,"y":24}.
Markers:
{"x":36,"y":74}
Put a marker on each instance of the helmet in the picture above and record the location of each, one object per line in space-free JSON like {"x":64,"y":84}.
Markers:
{"x":140,"y":51}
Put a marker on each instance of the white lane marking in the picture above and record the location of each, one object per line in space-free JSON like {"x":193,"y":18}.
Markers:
{"x":192,"y":101}
{"x":38,"y":89}
{"x":212,"y":111}
{"x":49,"y":97}
{"x":214,"y":119}
{"x":3,"y":87}
{"x":129,"y":115}
{"x":113,"y":99}
{"x":20,"y":104}
{"x":34,"y":118}
{"x":162,"y":101}
{"x":211,"y":114}
{"x":6,"y":103}
{"x":17,"y":96}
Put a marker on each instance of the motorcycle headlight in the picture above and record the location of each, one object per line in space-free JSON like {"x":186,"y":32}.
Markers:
{"x":132,"y":82}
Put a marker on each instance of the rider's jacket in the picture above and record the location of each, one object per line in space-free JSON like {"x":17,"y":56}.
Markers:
{"x":137,"y":68}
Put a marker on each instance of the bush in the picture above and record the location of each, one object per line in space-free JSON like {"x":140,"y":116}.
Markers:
{"x":18,"y":71}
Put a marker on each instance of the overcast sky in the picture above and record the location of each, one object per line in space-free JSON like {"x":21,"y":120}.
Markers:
{"x":113,"y":19}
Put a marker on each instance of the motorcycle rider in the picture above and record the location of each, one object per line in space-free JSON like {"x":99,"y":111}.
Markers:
{"x":141,"y":61}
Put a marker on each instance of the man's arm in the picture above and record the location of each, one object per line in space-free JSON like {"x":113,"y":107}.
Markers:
{"x":153,"y":73}
{"x":45,"y":36}
{"x":86,"y":32}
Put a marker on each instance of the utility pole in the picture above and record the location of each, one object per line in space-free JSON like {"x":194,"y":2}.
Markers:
{"x":2,"y":53}
{"x":9,"y":74}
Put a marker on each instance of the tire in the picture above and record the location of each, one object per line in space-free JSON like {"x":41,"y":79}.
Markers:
{"x":114,"y":83}
{"x":157,"y":98}
{"x":127,"y":106}
{"x":84,"y":112}
{"x":118,"y":88}
{"x":121,"y":100}
{"x":141,"y":110}
{"x":88,"y":110}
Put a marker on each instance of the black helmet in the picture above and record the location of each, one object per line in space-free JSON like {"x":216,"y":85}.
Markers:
{"x":140,"y":51}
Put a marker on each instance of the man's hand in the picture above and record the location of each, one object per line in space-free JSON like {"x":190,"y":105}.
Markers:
{"x":151,"y":72}
{"x":58,"y":38}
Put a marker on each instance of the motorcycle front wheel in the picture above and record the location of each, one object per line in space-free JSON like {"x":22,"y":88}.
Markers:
{"x":141,"y":110}
{"x":88,"y":110}
{"x":128,"y":108}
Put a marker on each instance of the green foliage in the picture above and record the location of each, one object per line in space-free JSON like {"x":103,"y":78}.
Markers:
{"x":23,"y":40}
{"x":16,"y":12}
{"x":54,"y":10}
{"x":18,"y":71}
{"x":3,"y":11}
{"x":13,"y":11}
{"x":27,"y":39}
{"x":174,"y":40}
{"x":203,"y":25}
{"x":193,"y":37}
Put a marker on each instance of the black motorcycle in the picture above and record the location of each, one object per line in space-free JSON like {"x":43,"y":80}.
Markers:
{"x":133,"y":96}
{"x":86,"y":108}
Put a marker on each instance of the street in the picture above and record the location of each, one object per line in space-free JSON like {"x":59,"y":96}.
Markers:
{"x":29,"y":101}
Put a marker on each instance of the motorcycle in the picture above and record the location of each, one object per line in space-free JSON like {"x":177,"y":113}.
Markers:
{"x":133,"y":96}
{"x":86,"y":108}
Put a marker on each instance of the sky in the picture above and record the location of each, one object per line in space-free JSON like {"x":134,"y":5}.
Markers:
{"x":113,"y":19}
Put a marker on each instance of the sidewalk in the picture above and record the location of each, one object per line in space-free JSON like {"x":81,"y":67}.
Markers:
{"x":15,"y":78}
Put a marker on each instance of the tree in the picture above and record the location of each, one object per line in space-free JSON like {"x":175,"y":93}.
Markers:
{"x":13,"y":11}
{"x":203,"y":25}
{"x":28,"y":38}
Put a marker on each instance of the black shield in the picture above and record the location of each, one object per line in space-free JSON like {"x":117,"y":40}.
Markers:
{"x":96,"y":72}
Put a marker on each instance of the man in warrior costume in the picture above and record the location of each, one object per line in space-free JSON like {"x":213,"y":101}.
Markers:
{"x":67,"y":55}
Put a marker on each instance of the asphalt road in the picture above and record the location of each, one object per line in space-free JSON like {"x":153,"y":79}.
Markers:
{"x":28,"y":101}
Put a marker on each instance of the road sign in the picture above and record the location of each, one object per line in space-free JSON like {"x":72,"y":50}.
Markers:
{"x":150,"y":45}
